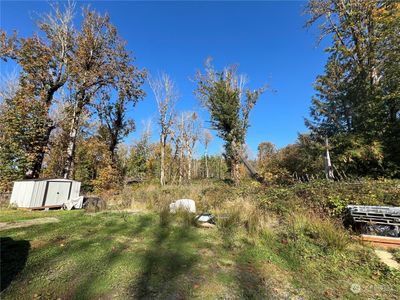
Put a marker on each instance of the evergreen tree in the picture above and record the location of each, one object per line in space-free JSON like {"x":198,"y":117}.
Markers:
{"x":357,"y":101}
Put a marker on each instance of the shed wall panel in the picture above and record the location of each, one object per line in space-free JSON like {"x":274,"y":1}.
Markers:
{"x":76,"y":187}
{"x":28,"y":195}
{"x":16,"y":193}
{"x":27,"y":189}
{"x":38,"y":193}
{"x":57,"y":192}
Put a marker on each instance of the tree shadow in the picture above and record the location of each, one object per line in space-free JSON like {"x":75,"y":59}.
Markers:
{"x":166,"y":265}
{"x":91,"y":237}
{"x":251,"y":283}
{"x":14,"y":255}
{"x":83,"y":289}
{"x":91,"y":269}
{"x":165,"y":261}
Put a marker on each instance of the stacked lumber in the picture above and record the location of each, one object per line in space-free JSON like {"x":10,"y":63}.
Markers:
{"x":382,"y":241}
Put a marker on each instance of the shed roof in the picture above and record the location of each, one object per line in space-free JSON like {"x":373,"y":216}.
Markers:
{"x":46,"y":179}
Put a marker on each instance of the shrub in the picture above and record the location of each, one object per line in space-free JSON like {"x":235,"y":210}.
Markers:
{"x":185,"y":218}
{"x":337,"y":204}
{"x":330,"y":235}
{"x":324,"y":233}
{"x":165,"y":216}
{"x":229,"y":220}
{"x":396,"y":254}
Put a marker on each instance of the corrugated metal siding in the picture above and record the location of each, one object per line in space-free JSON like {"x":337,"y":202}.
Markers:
{"x":30,"y":193}
{"x":15,"y":195}
{"x":27,"y":189}
{"x":38,"y":193}
{"x":76,"y":187}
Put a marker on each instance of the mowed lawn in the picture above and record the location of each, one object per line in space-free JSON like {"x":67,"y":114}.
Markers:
{"x":135,"y":256}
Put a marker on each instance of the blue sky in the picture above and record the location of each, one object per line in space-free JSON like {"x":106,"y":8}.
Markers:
{"x":267,"y":39}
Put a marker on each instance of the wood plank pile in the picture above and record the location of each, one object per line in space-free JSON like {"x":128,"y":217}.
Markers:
{"x":381,"y":241}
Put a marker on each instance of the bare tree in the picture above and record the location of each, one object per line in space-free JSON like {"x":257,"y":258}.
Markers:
{"x":206,"y":140}
{"x":179,"y":146}
{"x":186,"y":135}
{"x":166,"y":95}
{"x":191,"y":136}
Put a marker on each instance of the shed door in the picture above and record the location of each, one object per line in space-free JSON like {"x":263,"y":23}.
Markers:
{"x":57,"y":192}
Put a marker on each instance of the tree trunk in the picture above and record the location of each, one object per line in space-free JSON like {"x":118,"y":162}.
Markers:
{"x":162,"y":160}
{"x":206,"y":161}
{"x":69,"y":162}
{"x":219,"y":167}
{"x":180,"y":166}
{"x":111,"y":148}
{"x":235,"y":162}
{"x":34,"y":172}
{"x":235,"y":172}
{"x":189,"y":175}
{"x":328,"y":165}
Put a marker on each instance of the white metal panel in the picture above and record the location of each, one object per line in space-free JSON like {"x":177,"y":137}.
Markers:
{"x":27,"y":188}
{"x":76,"y":187}
{"x":38,"y":193}
{"x":22,"y":193}
{"x":16,"y":193}
{"x":57,"y":192}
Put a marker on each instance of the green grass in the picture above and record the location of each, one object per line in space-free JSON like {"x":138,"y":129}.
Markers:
{"x":109,"y":255}
{"x":153,"y":255}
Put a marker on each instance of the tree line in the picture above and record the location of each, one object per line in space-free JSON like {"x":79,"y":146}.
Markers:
{"x":65,"y":113}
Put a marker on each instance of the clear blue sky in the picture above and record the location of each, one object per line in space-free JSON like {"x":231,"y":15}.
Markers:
{"x":267,"y":39}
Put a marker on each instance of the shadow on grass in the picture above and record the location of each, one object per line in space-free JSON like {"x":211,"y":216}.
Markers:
{"x":85,"y":254}
{"x":251,"y":283}
{"x":14,"y":255}
{"x":166,"y":265}
{"x":93,"y":249}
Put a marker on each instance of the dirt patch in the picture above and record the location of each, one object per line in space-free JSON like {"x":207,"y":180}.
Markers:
{"x":206,"y":252}
{"x":36,"y":244}
{"x":27,"y":223}
{"x":387,"y":258}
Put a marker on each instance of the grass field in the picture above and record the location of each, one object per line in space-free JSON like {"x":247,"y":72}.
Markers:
{"x":154,"y":255}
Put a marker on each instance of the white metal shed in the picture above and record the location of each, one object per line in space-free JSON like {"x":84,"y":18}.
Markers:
{"x":44,"y":192}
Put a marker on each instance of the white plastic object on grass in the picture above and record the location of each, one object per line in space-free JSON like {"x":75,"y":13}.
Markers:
{"x":184,"y":204}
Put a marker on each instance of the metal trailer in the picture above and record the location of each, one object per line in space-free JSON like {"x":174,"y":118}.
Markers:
{"x":384,"y":215}
{"x":37,"y":193}
{"x":381,"y":220}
